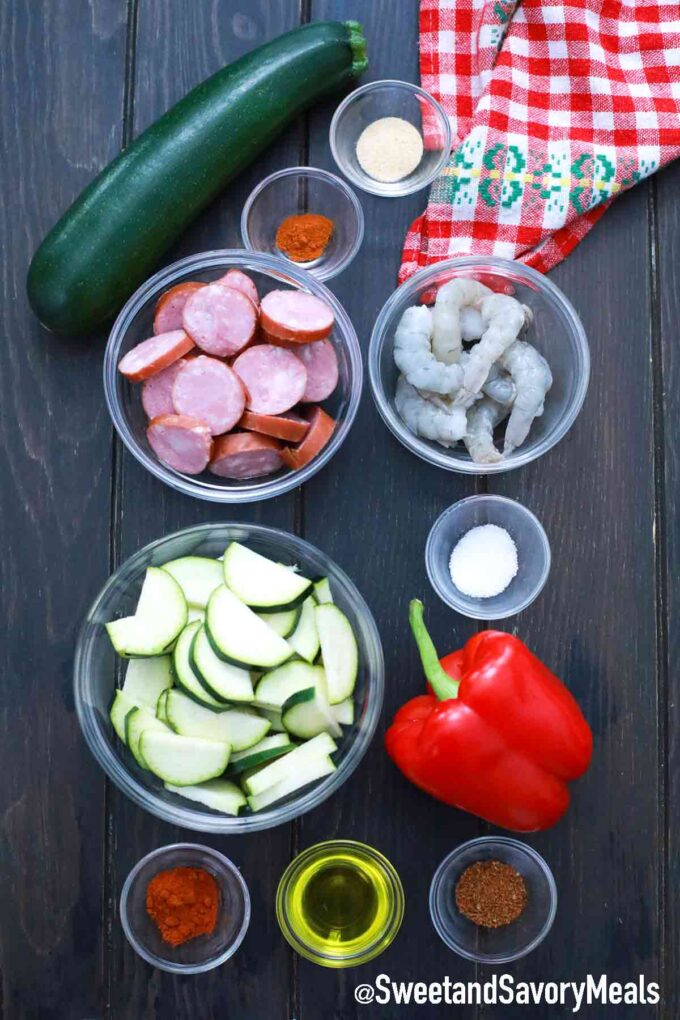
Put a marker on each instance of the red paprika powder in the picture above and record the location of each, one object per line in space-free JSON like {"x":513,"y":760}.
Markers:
{"x":304,"y":237}
{"x":183,"y":903}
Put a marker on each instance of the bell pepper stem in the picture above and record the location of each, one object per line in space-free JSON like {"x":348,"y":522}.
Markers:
{"x":444,"y":686}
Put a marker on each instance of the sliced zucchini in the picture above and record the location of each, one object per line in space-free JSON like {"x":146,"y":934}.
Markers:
{"x":284,"y":623}
{"x":239,"y":636}
{"x":183,"y":761}
{"x":161,"y":706}
{"x":238,"y":727}
{"x":218,"y":794}
{"x":184,"y":672}
{"x":322,"y":590}
{"x":305,"y":638}
{"x":161,"y":614}
{"x":260,"y":753}
{"x":290,"y":764}
{"x":315,"y":767}
{"x":137,"y":722}
{"x":197,"y":576}
{"x":307,"y":713}
{"x":195,"y":614}
{"x":338,"y":650}
{"x":343,"y":712}
{"x":221,"y":679}
{"x":262,"y":583}
{"x":273,"y":715}
{"x":120,"y":707}
{"x":277,"y":686}
{"x":146,"y":678}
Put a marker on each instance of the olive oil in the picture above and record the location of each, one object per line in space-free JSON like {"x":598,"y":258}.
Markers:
{"x":340,"y":903}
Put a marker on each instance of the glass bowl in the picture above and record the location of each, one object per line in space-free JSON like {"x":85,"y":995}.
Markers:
{"x":135,"y":323}
{"x":304,"y":189}
{"x":533,"y":555}
{"x":556,"y":332}
{"x":95,"y":674}
{"x":206,"y":951}
{"x":339,"y":853}
{"x":390,"y":99}
{"x":494,"y":945}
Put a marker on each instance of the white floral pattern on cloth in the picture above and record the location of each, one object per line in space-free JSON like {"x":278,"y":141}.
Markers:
{"x":557,"y":107}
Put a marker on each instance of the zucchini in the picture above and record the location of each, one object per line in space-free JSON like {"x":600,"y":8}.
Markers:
{"x":343,"y":712}
{"x":137,"y":722}
{"x":322,"y":590}
{"x":185,"y":675}
{"x":262,"y":584}
{"x":220,"y":679}
{"x":238,"y":727}
{"x":218,"y":794}
{"x":284,"y":622}
{"x":114,"y":234}
{"x":315,"y":767}
{"x":276,"y":687}
{"x":261,"y":753}
{"x":146,"y":679}
{"x":307,"y":712}
{"x":290,"y":764}
{"x":120,"y":708}
{"x":338,"y":650}
{"x":197,"y":576}
{"x":305,"y":638}
{"x":161,"y":706}
{"x":160,"y":616}
{"x":239,"y":636}
{"x":183,"y":761}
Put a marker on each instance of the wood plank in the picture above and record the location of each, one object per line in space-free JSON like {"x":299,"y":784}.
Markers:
{"x":178,"y":45}
{"x":667,"y":365}
{"x":371,"y":510}
{"x":62,"y":88}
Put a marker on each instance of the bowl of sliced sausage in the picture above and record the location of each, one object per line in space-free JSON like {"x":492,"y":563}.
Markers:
{"x":233,"y":376}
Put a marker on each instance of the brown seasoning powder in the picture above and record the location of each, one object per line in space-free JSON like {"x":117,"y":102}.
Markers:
{"x":491,"y":894}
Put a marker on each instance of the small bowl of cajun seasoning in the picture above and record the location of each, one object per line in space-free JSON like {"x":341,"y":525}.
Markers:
{"x":185,"y":908}
{"x":493,"y":900}
{"x":307,"y":216}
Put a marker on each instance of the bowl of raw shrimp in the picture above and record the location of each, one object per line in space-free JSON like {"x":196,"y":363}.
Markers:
{"x":478,"y":364}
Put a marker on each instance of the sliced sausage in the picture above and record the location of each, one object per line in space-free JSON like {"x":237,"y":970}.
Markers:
{"x":321,"y":427}
{"x":181,"y":442}
{"x":245,"y":455}
{"x":284,"y":426}
{"x":207,"y":389}
{"x":321,"y":362}
{"x":157,"y":391}
{"x":220,"y":320}
{"x":170,"y":306}
{"x":295,"y":315}
{"x":274,"y":378}
{"x":155,"y":354}
{"x":240,"y":281}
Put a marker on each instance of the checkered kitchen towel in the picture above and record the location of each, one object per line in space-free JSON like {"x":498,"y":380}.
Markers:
{"x":556,"y":107}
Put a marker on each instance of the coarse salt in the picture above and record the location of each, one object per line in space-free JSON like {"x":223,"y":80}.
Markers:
{"x":389,"y":149}
{"x":483,"y":562}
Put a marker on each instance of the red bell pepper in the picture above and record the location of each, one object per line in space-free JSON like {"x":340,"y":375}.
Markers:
{"x":499,"y":736}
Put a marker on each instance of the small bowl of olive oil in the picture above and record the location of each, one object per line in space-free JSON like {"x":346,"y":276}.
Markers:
{"x":340,"y":903}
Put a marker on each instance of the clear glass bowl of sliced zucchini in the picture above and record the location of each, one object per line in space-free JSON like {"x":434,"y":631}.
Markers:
{"x":229,"y":677}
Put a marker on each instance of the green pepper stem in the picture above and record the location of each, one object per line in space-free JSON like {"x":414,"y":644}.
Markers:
{"x":444,"y":686}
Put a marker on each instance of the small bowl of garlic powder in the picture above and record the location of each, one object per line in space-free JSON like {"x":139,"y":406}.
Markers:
{"x":487,"y":557}
{"x":390,"y":138}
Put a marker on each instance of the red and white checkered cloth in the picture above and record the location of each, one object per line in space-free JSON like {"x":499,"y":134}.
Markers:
{"x":556,"y":107}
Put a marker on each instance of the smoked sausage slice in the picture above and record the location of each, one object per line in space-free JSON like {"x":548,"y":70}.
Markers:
{"x":321,"y":427}
{"x":289,"y":427}
{"x":274,"y":378}
{"x":220,"y":320}
{"x":207,"y":389}
{"x":154,"y":354}
{"x":296,"y":316}
{"x":168,"y":314}
{"x":245,"y":455}
{"x":181,"y":442}
{"x":321,"y":362}
{"x":157,"y":391}
{"x":238,"y":280}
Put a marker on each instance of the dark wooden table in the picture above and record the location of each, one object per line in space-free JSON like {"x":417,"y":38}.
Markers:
{"x":80,"y":79}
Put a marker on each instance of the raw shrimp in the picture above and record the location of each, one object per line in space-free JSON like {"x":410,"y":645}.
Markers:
{"x":504,"y":318}
{"x":446,"y":320}
{"x":443,"y":423}
{"x":499,"y":386}
{"x":471,"y":323}
{"x":414,"y":358}
{"x":482,"y":419}
{"x":532,"y":377}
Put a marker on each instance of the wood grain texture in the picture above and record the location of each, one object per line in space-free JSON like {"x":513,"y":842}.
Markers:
{"x":54,"y":503}
{"x":178,"y":45}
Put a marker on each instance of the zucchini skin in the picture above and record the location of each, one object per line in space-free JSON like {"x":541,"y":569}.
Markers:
{"x":113,"y":235}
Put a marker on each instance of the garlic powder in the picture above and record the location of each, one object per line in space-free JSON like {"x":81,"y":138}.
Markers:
{"x":389,"y":149}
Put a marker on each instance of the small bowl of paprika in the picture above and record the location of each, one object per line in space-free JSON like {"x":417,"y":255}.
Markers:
{"x":307,"y":216}
{"x":185,"y":908}
{"x":493,"y":900}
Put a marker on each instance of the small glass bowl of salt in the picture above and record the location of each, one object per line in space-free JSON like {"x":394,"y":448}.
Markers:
{"x":487,"y":557}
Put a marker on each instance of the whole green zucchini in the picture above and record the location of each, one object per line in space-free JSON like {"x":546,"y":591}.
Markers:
{"x":112,"y":237}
